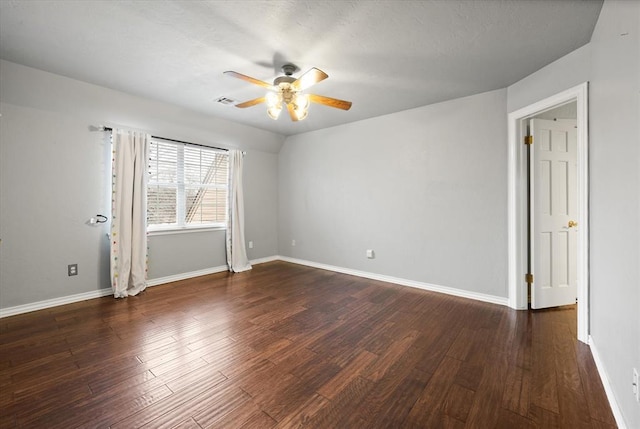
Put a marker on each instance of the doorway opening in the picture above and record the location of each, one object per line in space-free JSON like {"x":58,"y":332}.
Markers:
{"x":518,"y":215}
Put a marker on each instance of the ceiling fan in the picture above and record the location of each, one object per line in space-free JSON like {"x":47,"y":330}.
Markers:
{"x":287,"y":90}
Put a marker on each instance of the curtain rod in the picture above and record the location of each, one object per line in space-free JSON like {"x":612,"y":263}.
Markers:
{"x":103,"y":128}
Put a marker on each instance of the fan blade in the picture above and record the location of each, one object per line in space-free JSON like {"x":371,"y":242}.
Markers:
{"x":331,"y":102}
{"x":311,"y":77}
{"x":292,"y":112}
{"x":249,"y":79}
{"x":251,"y":102}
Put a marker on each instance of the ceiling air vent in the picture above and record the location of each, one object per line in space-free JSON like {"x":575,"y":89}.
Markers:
{"x":225,"y":100}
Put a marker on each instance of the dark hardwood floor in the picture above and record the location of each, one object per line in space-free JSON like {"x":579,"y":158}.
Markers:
{"x":286,"y":346}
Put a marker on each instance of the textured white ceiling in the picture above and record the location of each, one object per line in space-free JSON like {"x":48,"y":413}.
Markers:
{"x":384,"y":56}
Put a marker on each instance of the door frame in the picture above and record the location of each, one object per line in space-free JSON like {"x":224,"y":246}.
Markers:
{"x":518,"y":205}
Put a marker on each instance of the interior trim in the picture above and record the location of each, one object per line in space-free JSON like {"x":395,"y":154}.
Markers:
{"x":615,"y":408}
{"x":517,"y":202}
{"x":403,"y":282}
{"x":48,"y":303}
{"x":55,"y":302}
{"x":41,"y":305}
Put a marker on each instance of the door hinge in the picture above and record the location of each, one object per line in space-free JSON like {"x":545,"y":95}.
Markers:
{"x":528,"y":278}
{"x":528,"y":140}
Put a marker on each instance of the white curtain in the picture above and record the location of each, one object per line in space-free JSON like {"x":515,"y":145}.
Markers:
{"x":129,"y":213}
{"x":236,"y":251}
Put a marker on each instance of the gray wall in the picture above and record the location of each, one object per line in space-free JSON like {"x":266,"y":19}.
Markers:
{"x":54,"y":176}
{"x":261,"y":203}
{"x":424,"y":188}
{"x":173,"y":254}
{"x":562,"y":74}
{"x":611,"y":65}
{"x":52,"y":180}
{"x":614,"y":144}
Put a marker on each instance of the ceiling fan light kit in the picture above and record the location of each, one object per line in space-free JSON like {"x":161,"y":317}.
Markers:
{"x":298,"y":101}
{"x":287,"y":91}
{"x":274,"y":105}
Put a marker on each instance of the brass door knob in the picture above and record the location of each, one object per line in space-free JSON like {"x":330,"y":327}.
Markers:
{"x":572,"y":223}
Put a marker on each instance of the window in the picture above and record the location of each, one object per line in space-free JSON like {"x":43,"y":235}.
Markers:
{"x":187,"y":186}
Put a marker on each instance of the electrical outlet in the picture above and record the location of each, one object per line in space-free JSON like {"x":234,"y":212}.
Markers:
{"x":370,"y":254}
{"x":636,"y":386}
{"x":72,"y":269}
{"x":251,"y":245}
{"x":293,"y":242}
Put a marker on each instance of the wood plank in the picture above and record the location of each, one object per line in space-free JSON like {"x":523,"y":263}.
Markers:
{"x":517,"y":388}
{"x":188,"y":424}
{"x":457,"y":403}
{"x":508,"y":419}
{"x":305,"y":413}
{"x":544,"y":390}
{"x":487,"y":402}
{"x":183,"y":380}
{"x":195,"y":392}
{"x":379,"y":367}
{"x":573,"y":410}
{"x":430,"y":402}
{"x":246,"y":415}
{"x":339,"y":411}
{"x":211,"y":405}
{"x":567,"y":370}
{"x":544,"y":418}
{"x":284,"y":399}
{"x":390,"y":402}
{"x":347,"y":374}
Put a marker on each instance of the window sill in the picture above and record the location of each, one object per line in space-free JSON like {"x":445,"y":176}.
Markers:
{"x":184,"y":230}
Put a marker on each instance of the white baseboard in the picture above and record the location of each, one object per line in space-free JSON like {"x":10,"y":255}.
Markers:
{"x":615,"y":408}
{"x":48,"y":303}
{"x":403,"y":282}
{"x":205,"y":272}
{"x":184,"y":276}
{"x":265,"y":260}
{"x":41,"y":305}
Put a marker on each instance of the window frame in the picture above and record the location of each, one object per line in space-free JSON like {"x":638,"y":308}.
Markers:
{"x":181,"y":196}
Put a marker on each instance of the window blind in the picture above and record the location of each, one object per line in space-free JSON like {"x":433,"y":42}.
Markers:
{"x":187,"y":186}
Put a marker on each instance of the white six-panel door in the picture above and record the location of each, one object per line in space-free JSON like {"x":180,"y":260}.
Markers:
{"x":553,"y":211}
